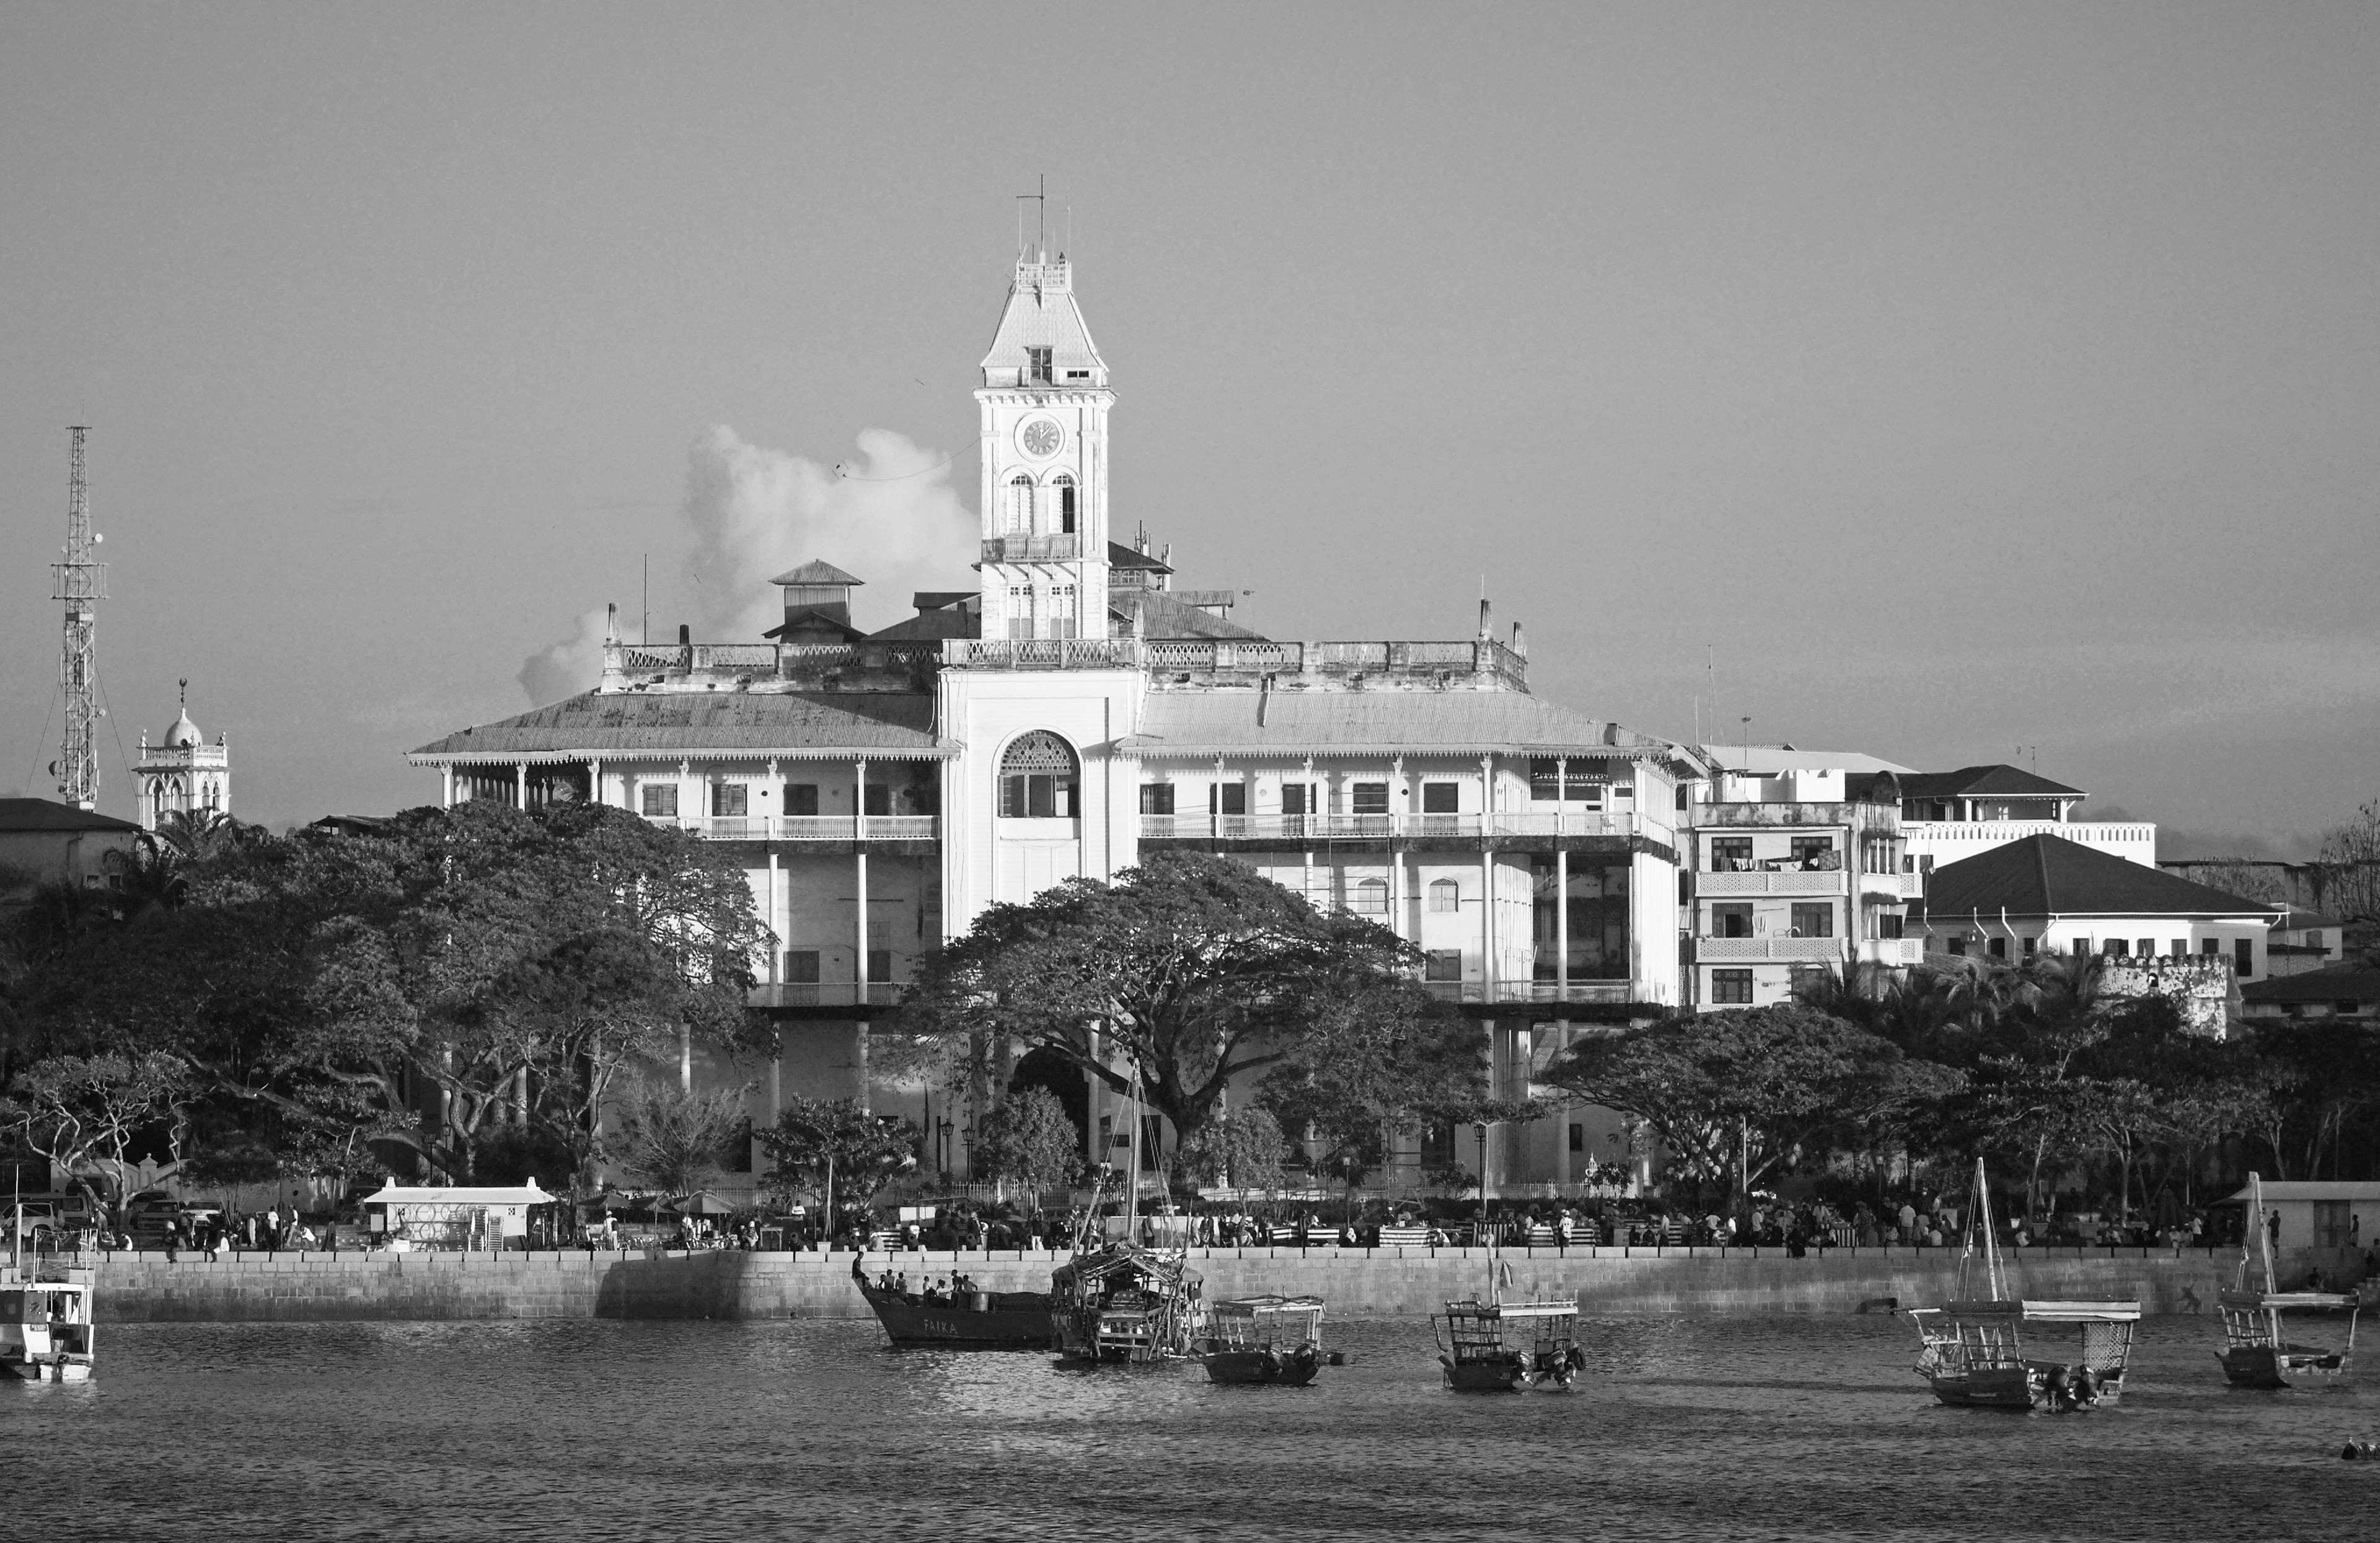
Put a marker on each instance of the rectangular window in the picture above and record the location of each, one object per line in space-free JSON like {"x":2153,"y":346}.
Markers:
{"x":1731,"y":919}
{"x":1445,"y":896}
{"x":802,"y":966}
{"x":1062,"y":611}
{"x":1577,"y":1136}
{"x":1441,"y":798}
{"x":879,"y":963}
{"x":1037,"y":365}
{"x":1443,"y":964}
{"x":1036,"y":796}
{"x":1999,"y":949}
{"x":1157,"y":798}
{"x":2147,"y":948}
{"x":1958,"y":946}
{"x":1730,"y":854}
{"x":2116,"y":947}
{"x":877,"y":799}
{"x":1297,"y":798}
{"x":1368,"y":798}
{"x":1227,"y":798}
{"x":2081,"y":948}
{"x":1020,"y":611}
{"x":1814,"y":851}
{"x":1581,"y":785}
{"x":658,"y":798}
{"x":1731,"y":987}
{"x":1888,"y":925}
{"x":1813,"y":921}
{"x":2181,"y":948}
{"x":2210,"y":947}
{"x":801,"y":798}
{"x":2243,"y":956}
{"x":2332,"y":1224}
{"x":732,"y":799}
{"x":2030,"y":945}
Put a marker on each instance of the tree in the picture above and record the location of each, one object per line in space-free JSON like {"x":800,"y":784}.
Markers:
{"x":1244,"y":1150}
{"x":1183,"y":974}
{"x":1738,"y":1092}
{"x":2349,"y":866}
{"x":673,"y":1140}
{"x":79,"y":1110}
{"x":1027,"y":1139}
{"x":836,"y":1148}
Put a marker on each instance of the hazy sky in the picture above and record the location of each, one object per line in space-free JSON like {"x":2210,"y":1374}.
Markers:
{"x":1950,"y":377}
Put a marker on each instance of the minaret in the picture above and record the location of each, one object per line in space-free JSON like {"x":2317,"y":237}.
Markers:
{"x":1045,"y":402}
{"x":183,"y":774}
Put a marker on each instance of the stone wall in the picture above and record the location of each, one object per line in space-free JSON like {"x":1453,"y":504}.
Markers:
{"x":1356,"y":1282}
{"x":2199,"y":984}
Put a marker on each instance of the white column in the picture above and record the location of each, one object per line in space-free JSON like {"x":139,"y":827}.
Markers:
{"x":860,"y":967}
{"x":447,"y":787}
{"x":689,"y":808}
{"x":1487,"y":972}
{"x":595,"y":780}
{"x":1561,"y":795}
{"x":1400,"y":801}
{"x":685,"y":1059}
{"x":859,"y":803}
{"x":776,"y":973}
{"x":520,"y":785}
{"x":1562,"y":922}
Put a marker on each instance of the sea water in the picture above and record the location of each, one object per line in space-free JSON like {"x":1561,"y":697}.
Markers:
{"x":1705,"y":1429}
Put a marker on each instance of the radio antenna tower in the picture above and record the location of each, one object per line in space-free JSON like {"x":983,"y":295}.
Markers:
{"x":81,"y":582}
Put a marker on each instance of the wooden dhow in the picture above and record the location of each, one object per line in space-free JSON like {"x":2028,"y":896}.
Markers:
{"x":2255,"y":1354}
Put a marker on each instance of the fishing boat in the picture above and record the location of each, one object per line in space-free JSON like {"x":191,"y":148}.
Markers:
{"x":1118,"y":1300}
{"x":960,"y":1318}
{"x":1263,"y":1340}
{"x":1975,"y":1347}
{"x":46,"y":1314}
{"x":2254,"y":1354}
{"x":1502,"y":1347}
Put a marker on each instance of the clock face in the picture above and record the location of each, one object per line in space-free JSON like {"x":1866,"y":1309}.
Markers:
{"x":1041,"y":437}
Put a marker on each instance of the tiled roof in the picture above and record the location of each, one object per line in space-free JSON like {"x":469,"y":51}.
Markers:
{"x":48,"y":814}
{"x":2342,"y":982}
{"x":816,"y":571}
{"x":1042,"y":316}
{"x":1985,"y":782}
{"x":948,"y":621}
{"x":632,"y":723}
{"x":2045,"y":876}
{"x":1384,"y":722}
{"x":1123,"y":556}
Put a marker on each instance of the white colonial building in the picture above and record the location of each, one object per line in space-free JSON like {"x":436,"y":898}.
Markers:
{"x":1075,"y":710}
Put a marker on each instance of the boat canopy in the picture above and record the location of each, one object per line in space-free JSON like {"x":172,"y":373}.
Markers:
{"x":1257,"y":1307}
{"x":1116,"y":1258}
{"x":2033,"y":1311}
{"x":1512,"y":1310}
{"x":2290,"y":1301}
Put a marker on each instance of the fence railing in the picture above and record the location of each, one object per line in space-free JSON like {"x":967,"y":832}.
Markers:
{"x":1383,"y":826}
{"x":808,"y":827}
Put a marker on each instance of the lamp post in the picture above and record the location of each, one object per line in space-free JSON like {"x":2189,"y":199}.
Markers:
{"x":943,"y":1147}
{"x":1479,"y":1133}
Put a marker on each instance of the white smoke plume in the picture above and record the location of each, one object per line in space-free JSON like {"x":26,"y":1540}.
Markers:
{"x":889,"y":517}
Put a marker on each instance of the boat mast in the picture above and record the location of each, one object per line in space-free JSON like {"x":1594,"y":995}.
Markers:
{"x":1991,"y":1242}
{"x":2263,"y":1234}
{"x":1132,"y":1167}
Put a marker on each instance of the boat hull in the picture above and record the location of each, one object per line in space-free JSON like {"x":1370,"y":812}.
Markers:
{"x":1253,"y":1368}
{"x":69,"y":1371}
{"x":1996,"y":1388}
{"x":1005,"y":1320}
{"x":2264,"y":1367}
{"x":1484,"y":1377}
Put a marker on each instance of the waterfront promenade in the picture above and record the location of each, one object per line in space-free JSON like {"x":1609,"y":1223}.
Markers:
{"x":146,"y":1287}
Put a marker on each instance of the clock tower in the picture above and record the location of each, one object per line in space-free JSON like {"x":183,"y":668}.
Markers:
{"x":1045,"y":401}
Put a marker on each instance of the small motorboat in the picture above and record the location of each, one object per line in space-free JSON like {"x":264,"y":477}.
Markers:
{"x":45,"y":1323}
{"x":960,"y":1318}
{"x":1260,"y":1339}
{"x":2257,"y":1353}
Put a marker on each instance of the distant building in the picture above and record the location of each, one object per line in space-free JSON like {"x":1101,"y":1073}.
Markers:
{"x":2045,"y":894}
{"x":182,"y":773}
{"x":2304,"y":941}
{"x":2345,"y":992}
{"x":44,"y":841}
{"x":1946,"y":817}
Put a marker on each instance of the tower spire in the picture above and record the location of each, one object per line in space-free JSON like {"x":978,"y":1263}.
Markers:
{"x":80,"y":580}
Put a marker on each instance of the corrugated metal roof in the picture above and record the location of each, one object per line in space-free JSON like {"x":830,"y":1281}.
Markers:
{"x":2341,"y":982}
{"x":628,"y":722}
{"x":1162,"y":616}
{"x":816,"y":571}
{"x":48,"y":814}
{"x":1387,"y":723}
{"x":2044,"y":876}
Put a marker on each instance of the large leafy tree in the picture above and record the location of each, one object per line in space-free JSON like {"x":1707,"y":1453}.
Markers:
{"x":76,"y":1110}
{"x":672,"y":1139}
{"x":1027,"y":1139}
{"x":838,"y":1150}
{"x":1182,"y":975}
{"x":1741,"y":1092}
{"x":460,"y":972}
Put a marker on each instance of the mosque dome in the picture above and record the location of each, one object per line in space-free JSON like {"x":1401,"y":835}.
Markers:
{"x":183,"y":733}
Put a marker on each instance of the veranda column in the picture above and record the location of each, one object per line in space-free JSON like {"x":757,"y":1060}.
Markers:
{"x":595,"y":780}
{"x":520,"y":785}
{"x":1399,"y":798}
{"x":446,"y":788}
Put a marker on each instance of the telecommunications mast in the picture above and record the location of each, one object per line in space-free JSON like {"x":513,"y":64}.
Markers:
{"x":81,"y":581}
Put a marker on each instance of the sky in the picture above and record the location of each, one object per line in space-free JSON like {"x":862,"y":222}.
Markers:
{"x":1953,"y":384}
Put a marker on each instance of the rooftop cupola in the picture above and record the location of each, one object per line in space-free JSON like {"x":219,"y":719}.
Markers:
{"x":818,"y":604}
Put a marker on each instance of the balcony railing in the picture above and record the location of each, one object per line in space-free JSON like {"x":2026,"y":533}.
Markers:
{"x":1029,"y":549}
{"x":1798,"y":950}
{"x":1790,"y":882}
{"x":1042,"y":653}
{"x":1386,"y":827}
{"x":808,"y":827}
{"x":1524,"y":991}
{"x":1898,"y":886}
{"x":843,"y":993}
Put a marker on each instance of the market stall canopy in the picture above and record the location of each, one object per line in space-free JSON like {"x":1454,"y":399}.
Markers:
{"x":702,"y":1202}
{"x":393,"y":1193}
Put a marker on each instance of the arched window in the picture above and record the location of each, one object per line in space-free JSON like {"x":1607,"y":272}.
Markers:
{"x":157,"y":799}
{"x":1038,"y":777}
{"x":1368,"y":897}
{"x":1065,"y":486}
{"x":1445,"y":895}
{"x":1020,"y":504}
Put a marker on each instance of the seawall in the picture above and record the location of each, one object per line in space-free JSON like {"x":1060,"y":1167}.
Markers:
{"x":1356,"y":1282}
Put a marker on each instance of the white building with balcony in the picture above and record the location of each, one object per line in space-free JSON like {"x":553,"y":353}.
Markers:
{"x":1948,"y":817}
{"x":1796,"y":863}
{"x":1075,"y":710}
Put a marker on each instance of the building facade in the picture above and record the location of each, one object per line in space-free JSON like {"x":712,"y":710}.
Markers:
{"x":182,"y":773}
{"x":1076,"y":711}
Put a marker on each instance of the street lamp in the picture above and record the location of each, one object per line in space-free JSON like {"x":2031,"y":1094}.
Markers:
{"x":1479,"y":1133}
